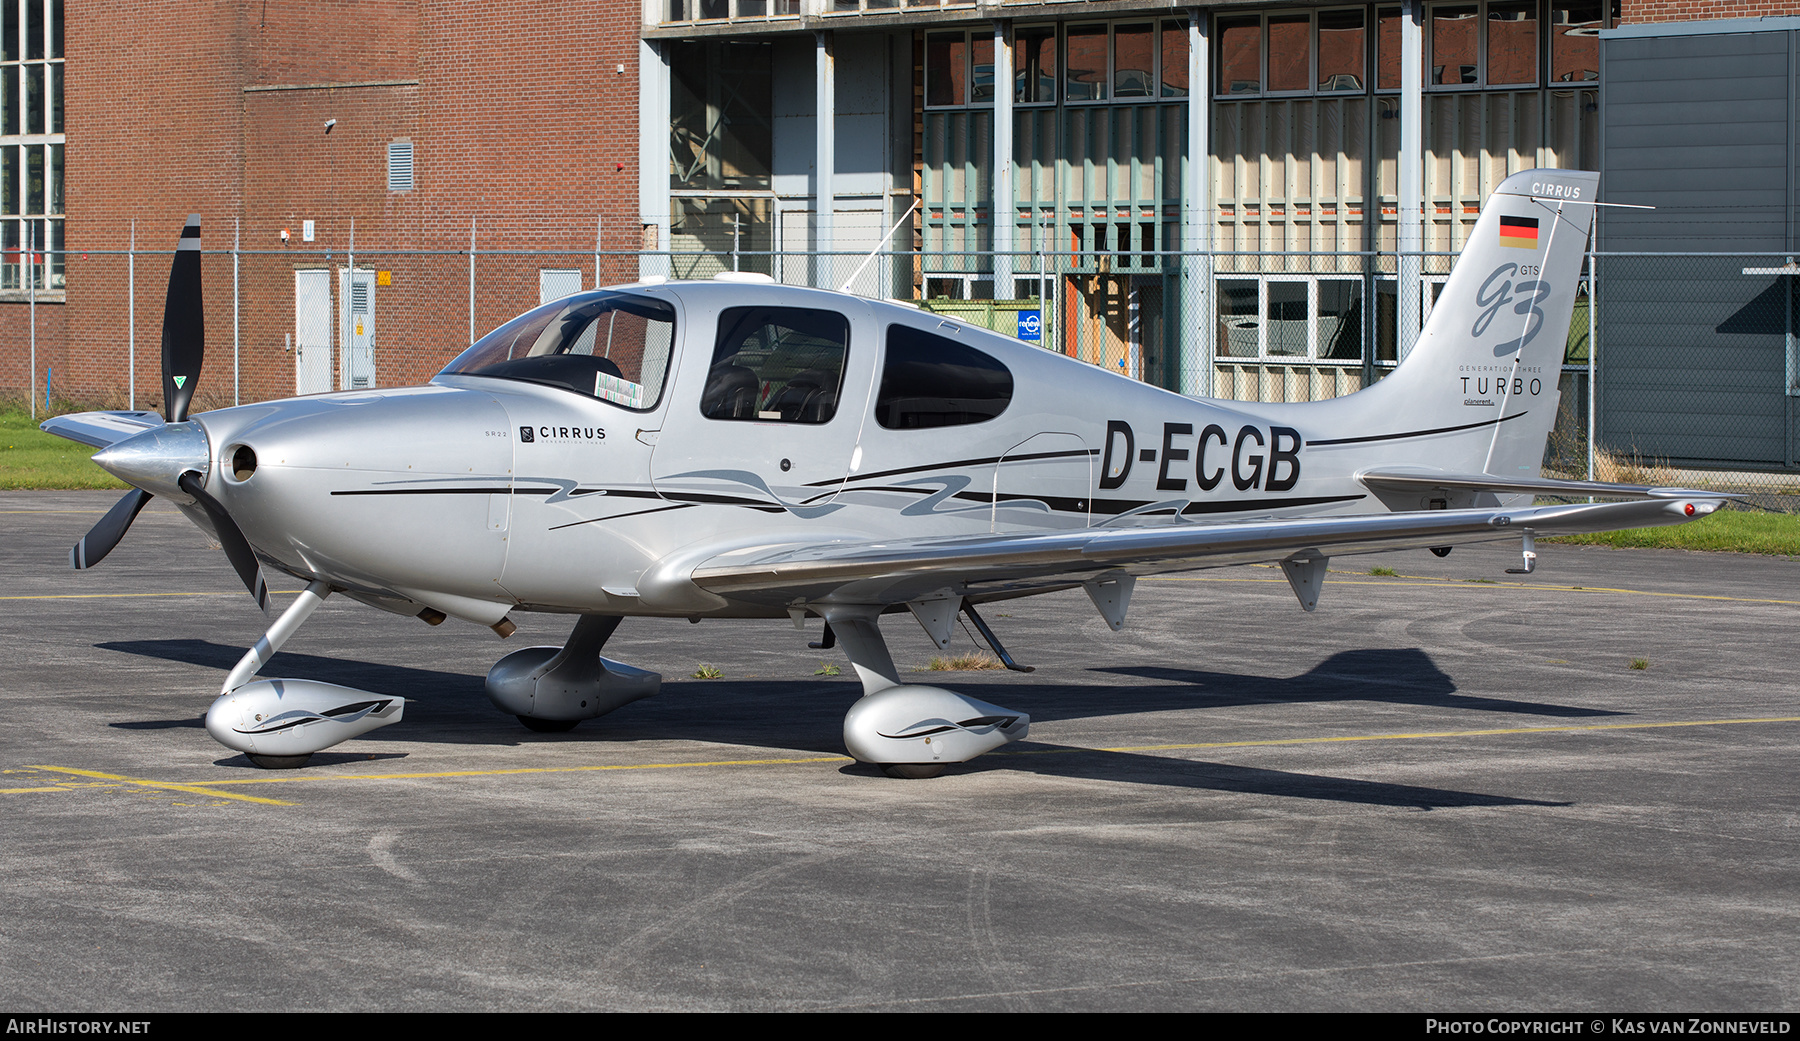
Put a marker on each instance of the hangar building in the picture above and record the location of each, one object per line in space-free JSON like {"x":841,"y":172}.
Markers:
{"x":1240,"y":199}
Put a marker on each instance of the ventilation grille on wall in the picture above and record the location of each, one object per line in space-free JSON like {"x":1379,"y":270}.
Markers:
{"x":400,"y":166}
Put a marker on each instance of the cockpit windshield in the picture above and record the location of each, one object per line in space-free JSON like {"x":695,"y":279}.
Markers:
{"x":609,"y":345}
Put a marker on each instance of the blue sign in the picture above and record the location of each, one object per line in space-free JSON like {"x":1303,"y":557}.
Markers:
{"x":1031,"y":325}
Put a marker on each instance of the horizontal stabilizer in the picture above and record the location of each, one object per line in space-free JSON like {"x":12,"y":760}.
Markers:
{"x":1420,"y":478}
{"x":100,"y":429}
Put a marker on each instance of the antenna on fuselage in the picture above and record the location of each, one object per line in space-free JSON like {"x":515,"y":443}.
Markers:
{"x":860,"y":268}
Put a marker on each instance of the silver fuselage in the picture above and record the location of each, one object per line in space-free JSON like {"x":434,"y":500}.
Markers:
{"x":478,"y":495}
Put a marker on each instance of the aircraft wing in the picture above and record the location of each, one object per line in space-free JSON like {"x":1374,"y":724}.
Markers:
{"x":900,"y":570}
{"x":100,"y":429}
{"x":1420,"y":478}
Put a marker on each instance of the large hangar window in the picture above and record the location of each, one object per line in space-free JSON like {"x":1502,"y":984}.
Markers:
{"x":929,"y":380}
{"x":721,"y":152}
{"x":31,"y":145}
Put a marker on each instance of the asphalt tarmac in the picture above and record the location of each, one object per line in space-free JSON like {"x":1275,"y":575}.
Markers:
{"x":1448,"y":790}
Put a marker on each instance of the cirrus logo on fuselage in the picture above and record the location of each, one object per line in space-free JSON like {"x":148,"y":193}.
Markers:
{"x":1253,"y":457}
{"x":564,"y":434}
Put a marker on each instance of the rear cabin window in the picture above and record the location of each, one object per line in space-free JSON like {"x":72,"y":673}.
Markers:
{"x":777,"y":364}
{"x":933,"y":381}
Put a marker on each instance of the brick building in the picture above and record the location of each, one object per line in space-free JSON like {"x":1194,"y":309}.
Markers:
{"x":403,"y":129}
{"x":413,"y":119}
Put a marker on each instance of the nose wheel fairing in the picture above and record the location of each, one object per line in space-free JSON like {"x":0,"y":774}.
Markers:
{"x":278,"y":723}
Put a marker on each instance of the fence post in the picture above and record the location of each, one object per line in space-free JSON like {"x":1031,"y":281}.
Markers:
{"x":237,"y":234}
{"x":471,"y":278}
{"x":599,"y":240}
{"x":1593,"y":411}
{"x":131,"y":318}
{"x":1409,"y":240}
{"x":31,"y":295}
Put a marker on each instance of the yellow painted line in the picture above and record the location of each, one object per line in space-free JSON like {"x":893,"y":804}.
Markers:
{"x":211,"y":787}
{"x":165,"y":785}
{"x":1404,"y":581}
{"x":1439,"y":733}
{"x":511,"y":771}
{"x":108,"y":596}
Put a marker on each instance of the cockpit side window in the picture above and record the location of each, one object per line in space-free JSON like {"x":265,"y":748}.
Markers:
{"x":929,"y":380}
{"x":612,"y":346}
{"x":777,"y":364}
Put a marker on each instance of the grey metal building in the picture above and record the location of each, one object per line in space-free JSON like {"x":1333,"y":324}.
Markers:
{"x":1235,"y":199}
{"x":1696,"y":355}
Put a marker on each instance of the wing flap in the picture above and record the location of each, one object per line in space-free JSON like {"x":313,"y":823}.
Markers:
{"x":899,"y":570}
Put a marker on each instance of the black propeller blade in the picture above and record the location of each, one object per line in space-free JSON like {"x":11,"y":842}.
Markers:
{"x":184,"y":325}
{"x":183,"y":350}
{"x":97,"y":543}
{"x":237,"y":548}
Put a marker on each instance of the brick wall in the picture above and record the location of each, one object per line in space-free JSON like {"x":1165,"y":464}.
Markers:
{"x":519,"y":116}
{"x":1632,"y":12}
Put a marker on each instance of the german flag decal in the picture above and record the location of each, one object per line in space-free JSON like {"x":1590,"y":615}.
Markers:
{"x":1519,"y":231}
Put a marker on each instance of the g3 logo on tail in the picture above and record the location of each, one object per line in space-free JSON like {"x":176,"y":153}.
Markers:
{"x":1492,"y":297}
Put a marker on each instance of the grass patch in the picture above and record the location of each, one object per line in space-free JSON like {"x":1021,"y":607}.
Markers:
{"x":1640,"y":664}
{"x":708,"y":672}
{"x":1384,"y":572}
{"x":826,"y":669}
{"x":30,"y":458}
{"x":972,"y":661}
{"x":1735,"y":531}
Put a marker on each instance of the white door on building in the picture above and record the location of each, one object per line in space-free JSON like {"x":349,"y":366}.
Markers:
{"x":556,"y":283}
{"x":312,"y":331}
{"x":356,"y":328}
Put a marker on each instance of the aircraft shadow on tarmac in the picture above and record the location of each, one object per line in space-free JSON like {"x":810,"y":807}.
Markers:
{"x":807,"y":714}
{"x":1398,"y":676}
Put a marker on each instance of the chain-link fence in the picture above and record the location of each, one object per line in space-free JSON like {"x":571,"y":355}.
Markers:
{"x":1679,"y":368}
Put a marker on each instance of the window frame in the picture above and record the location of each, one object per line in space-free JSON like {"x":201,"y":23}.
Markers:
{"x":1370,"y":29}
{"x":1314,"y":353}
{"x":1482,"y":7}
{"x":1158,"y":22}
{"x":21,"y":245}
{"x":689,"y":13}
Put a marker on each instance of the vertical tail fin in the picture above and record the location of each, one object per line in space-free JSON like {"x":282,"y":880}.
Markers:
{"x":1486,"y":365}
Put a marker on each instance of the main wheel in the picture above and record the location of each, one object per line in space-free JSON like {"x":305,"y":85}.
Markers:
{"x":278,"y":762}
{"x":912,"y":771}
{"x":548,"y":726}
